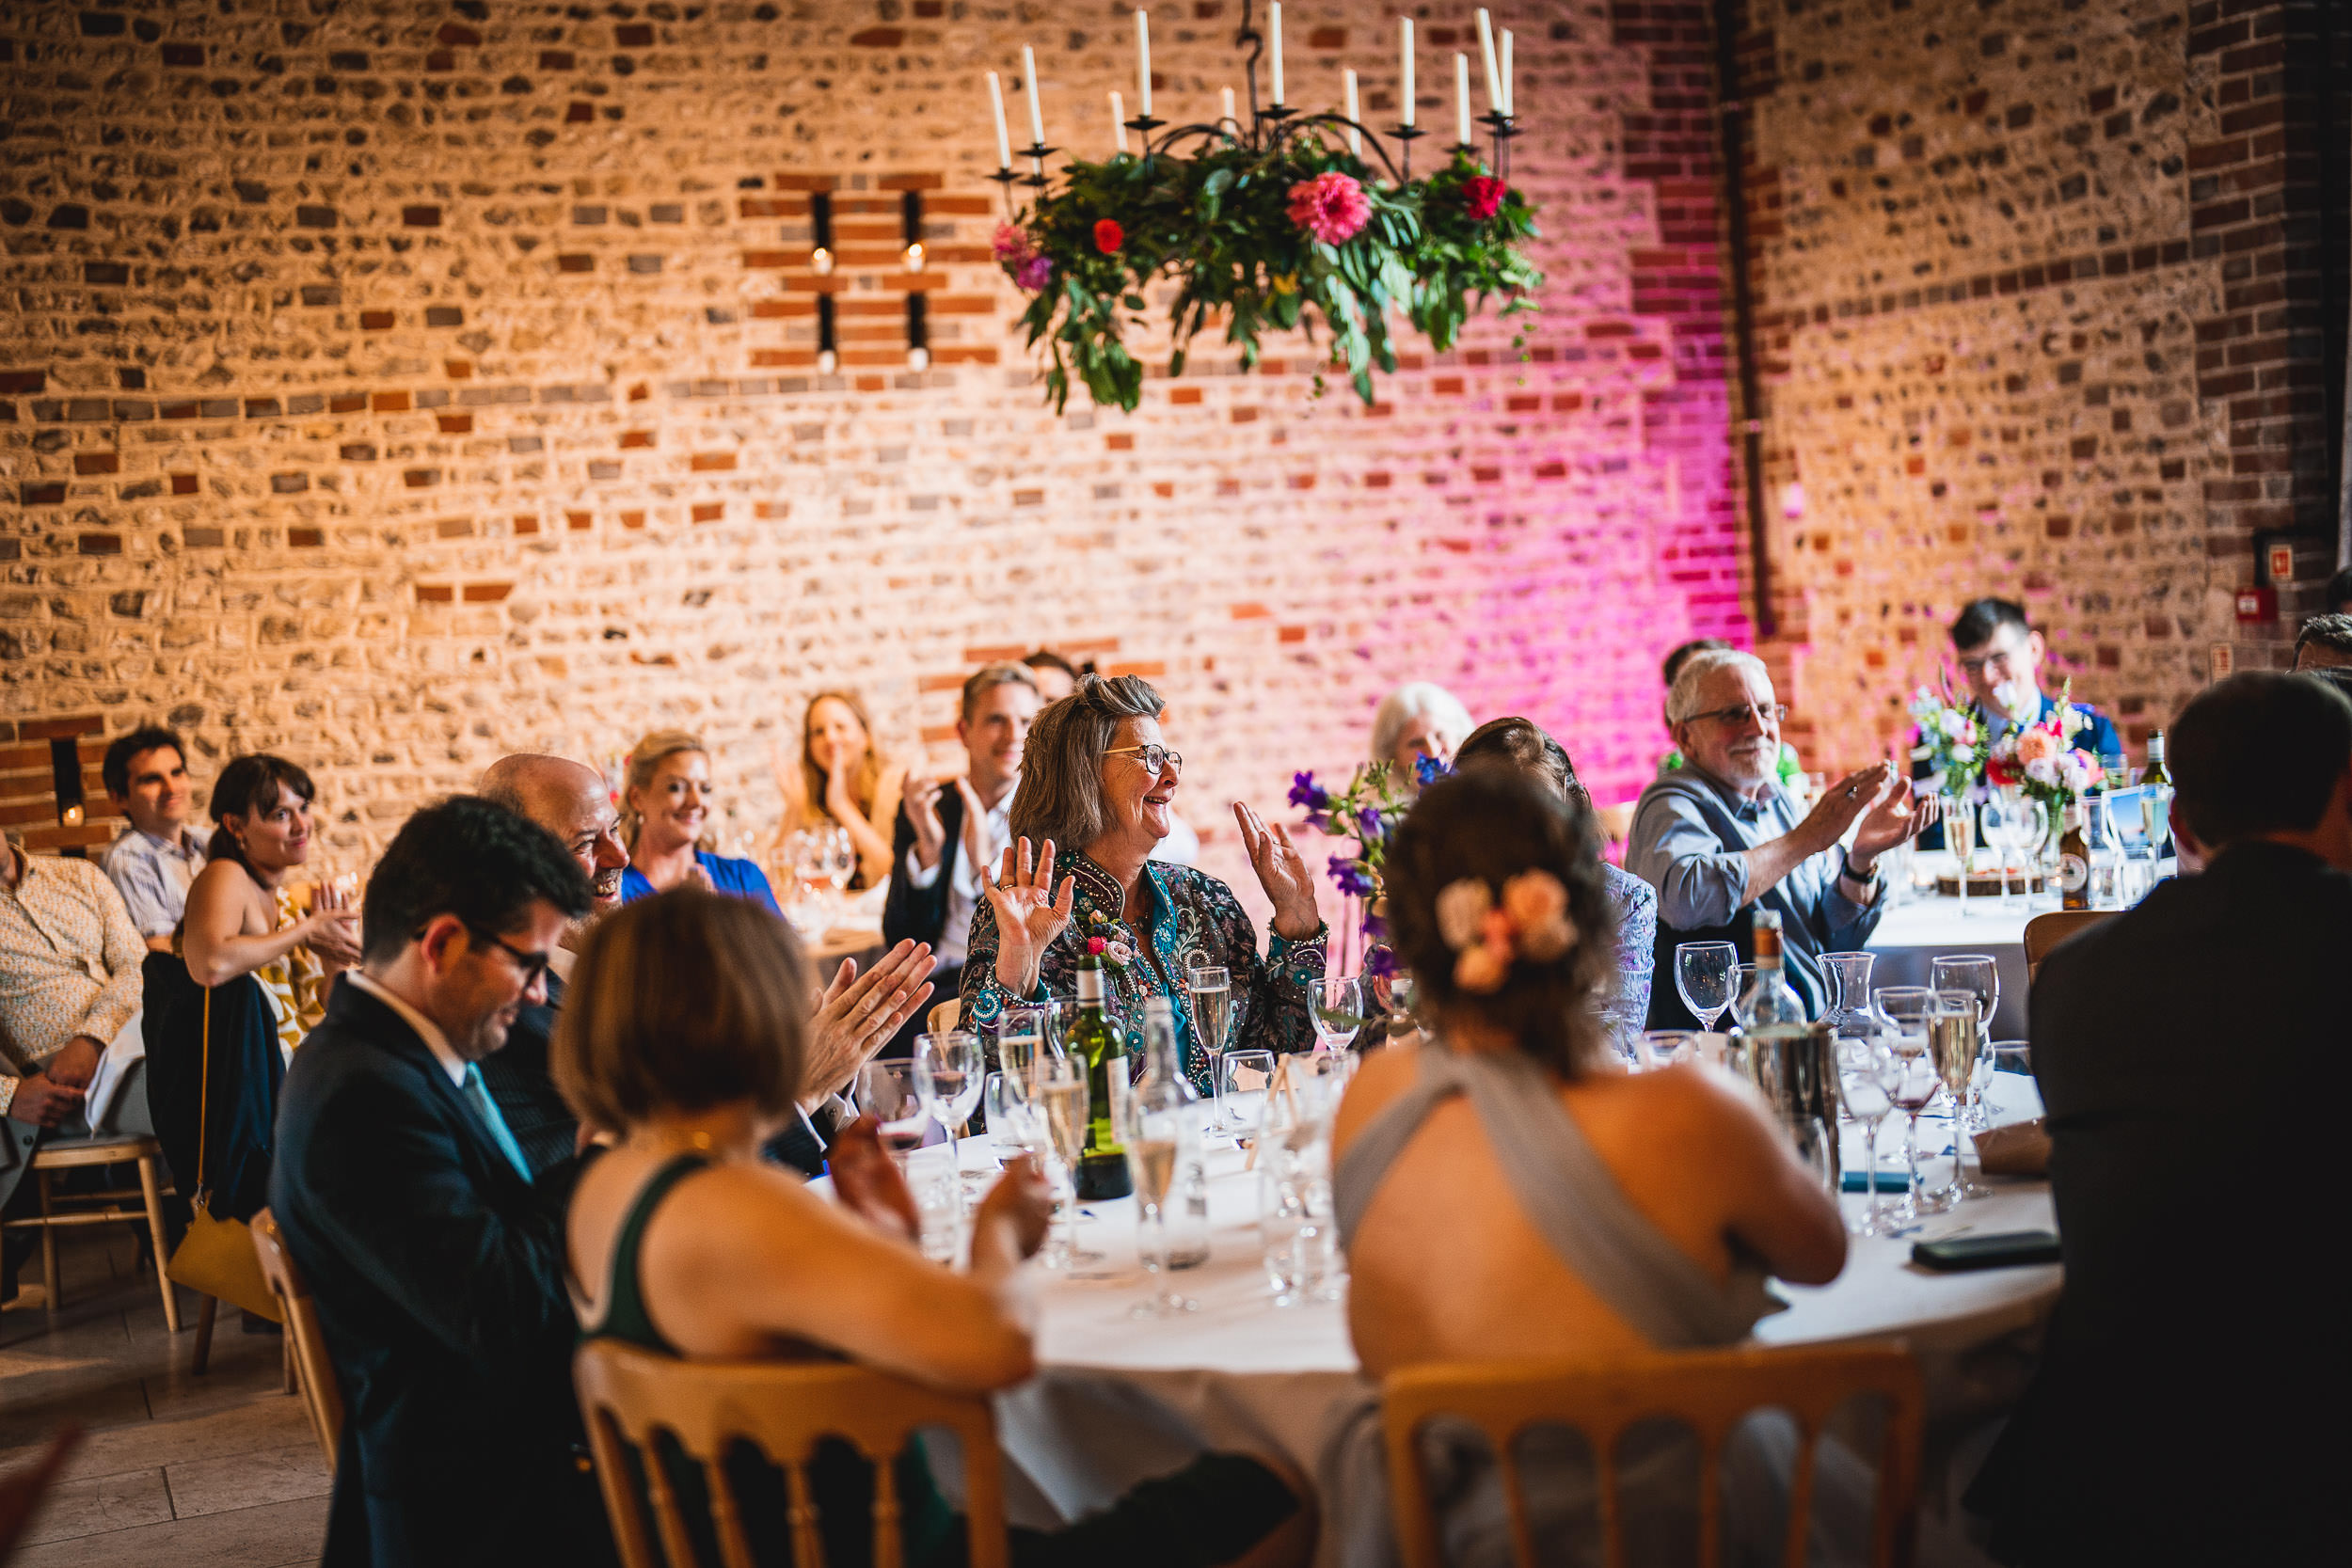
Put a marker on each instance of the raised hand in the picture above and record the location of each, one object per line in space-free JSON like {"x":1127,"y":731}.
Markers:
{"x":1893,"y":818}
{"x":1029,"y":914}
{"x":859,"y":1014}
{"x":1839,"y":804}
{"x":1282,"y":872}
{"x":921,"y":800}
{"x":868,"y":1181}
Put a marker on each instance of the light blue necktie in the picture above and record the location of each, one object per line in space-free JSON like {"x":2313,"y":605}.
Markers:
{"x":477,"y":1095}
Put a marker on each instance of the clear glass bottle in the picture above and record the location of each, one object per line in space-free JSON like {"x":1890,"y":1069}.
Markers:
{"x":1164,"y":1098}
{"x":2106,"y":857}
{"x":1768,"y":999}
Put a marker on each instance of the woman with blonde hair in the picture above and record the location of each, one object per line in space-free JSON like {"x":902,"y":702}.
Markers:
{"x":665,"y":806}
{"x":844,"y":781}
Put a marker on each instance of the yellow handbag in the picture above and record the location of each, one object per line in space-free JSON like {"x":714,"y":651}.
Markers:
{"x":216,"y":1256}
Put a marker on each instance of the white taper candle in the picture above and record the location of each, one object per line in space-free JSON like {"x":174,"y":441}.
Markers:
{"x":1119,"y":120}
{"x":1143,"y":61}
{"x":1509,"y":91}
{"x":1405,"y":62}
{"x":1355,"y":115}
{"x":1487,"y":53}
{"x":996,"y":102}
{"x":1037,"y":116}
{"x":1274,"y":19}
{"x":1461,"y":100}
{"x":1228,"y":124}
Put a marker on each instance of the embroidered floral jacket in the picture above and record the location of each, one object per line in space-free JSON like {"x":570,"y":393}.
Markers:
{"x":1191,"y":911}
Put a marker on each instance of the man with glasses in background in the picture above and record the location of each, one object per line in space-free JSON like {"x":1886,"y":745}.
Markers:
{"x":1719,"y":837}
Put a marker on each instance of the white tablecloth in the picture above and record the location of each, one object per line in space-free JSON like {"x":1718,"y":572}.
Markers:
{"x":1120,"y":1399}
{"x":1912,"y":934}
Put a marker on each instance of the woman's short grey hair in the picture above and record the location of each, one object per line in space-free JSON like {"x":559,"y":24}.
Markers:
{"x":1411,"y":701}
{"x":1060,"y":794}
{"x":1683,"y":701}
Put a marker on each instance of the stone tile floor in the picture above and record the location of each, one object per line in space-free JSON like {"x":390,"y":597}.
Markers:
{"x":218,"y":1472}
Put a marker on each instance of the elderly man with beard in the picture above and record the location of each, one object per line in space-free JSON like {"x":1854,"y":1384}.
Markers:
{"x":858,"y":1014}
{"x":1719,"y":837}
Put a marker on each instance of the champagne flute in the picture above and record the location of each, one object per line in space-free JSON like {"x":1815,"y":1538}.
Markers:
{"x":1981,"y":978}
{"x":1211,"y":987}
{"x":1705,"y":973}
{"x":949,"y":1075}
{"x":1960,"y":834}
{"x":1867,"y":1071}
{"x":1061,"y":1092}
{"x":1906,"y":1010}
{"x":887,"y":1092}
{"x":1956,"y":1040}
{"x":1152,"y":1141}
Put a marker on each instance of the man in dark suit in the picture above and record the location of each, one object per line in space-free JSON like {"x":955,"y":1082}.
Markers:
{"x":854,"y":1019}
{"x":2185,"y":1410}
{"x":437,"y":1262}
{"x":949,"y":834}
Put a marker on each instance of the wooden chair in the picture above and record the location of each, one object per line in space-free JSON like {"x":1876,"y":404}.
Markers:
{"x":306,"y":1341}
{"x":114,"y":1206}
{"x":943,"y":1017}
{"x":1708,"y":1391}
{"x":2046,"y":932}
{"x":784,"y":1408}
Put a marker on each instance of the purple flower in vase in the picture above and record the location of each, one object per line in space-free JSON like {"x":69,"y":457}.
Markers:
{"x":1350,"y":875}
{"x":1428,"y":770}
{"x":1368,"y":825}
{"x":1374,"y":927}
{"x":1379,"y":959}
{"x":1306,"y":792}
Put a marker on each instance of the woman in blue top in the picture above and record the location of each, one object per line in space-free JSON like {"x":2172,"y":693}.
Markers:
{"x":664,"y":808}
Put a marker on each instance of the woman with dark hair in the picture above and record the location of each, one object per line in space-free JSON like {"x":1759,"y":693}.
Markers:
{"x":1524,"y":747}
{"x":682,"y":1037}
{"x":241,"y":918}
{"x":843,"y":781}
{"x":1577,"y":1209}
{"x":1097,"y":793}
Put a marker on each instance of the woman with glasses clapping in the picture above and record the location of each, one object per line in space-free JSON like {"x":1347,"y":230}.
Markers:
{"x":1096,"y":795}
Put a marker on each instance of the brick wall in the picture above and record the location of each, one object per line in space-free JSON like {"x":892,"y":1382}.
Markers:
{"x":2040,"y":285}
{"x":399,"y":386}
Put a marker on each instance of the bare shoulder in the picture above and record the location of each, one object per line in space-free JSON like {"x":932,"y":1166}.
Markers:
{"x":1383,"y":1076}
{"x":1690,"y":1102}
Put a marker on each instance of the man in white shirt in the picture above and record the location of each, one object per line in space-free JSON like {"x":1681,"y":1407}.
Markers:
{"x":948,"y":834}
{"x":152,"y":865}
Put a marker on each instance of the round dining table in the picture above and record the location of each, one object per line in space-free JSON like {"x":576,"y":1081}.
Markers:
{"x":1119,"y":1398}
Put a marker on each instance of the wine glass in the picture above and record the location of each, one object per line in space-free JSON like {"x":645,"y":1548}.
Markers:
{"x":1905,"y":1010}
{"x":1867,"y":1074}
{"x":1061,"y":1093}
{"x":1242,"y":1078}
{"x":1981,"y":978}
{"x":840,"y":863}
{"x":804,"y":858}
{"x":887,"y":1092}
{"x":1705,"y":973}
{"x":1957,"y":1040}
{"x":1211,"y":990}
{"x":1339,"y":1011}
{"x":1156,"y":1141}
{"x":948,"y":1075}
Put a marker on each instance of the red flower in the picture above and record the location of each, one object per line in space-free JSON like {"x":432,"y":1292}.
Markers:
{"x":1108,"y":236}
{"x":1096,"y":945}
{"x":1481,"y":197}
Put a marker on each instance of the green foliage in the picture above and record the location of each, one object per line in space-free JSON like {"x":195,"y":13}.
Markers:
{"x":1218,"y":224}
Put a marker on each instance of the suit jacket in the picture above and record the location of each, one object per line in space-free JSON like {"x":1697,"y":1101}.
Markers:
{"x":438,"y":1274}
{"x":2188,"y":1051}
{"x":516,"y":1077}
{"x":921,"y":913}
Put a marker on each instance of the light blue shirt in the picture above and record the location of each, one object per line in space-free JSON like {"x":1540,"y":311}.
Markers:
{"x":153,"y":874}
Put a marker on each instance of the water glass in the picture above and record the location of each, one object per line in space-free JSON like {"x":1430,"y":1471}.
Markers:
{"x":1665,"y":1047}
{"x":1705,"y":976}
{"x":1906,"y":1011}
{"x":1867,"y":1074}
{"x":1241,"y":1077}
{"x":949,"y":1074}
{"x":886,"y":1091}
{"x":938,"y":1196}
{"x":2014,"y":1057}
{"x":1340,"y":1011}
{"x":1848,"y":976}
{"x":1014,"y":1121}
{"x":1288,"y":1236}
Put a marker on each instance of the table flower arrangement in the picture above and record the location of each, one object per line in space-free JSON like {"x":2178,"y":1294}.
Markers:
{"x":2041,"y":759}
{"x":1366,"y":814}
{"x":1265,"y":236}
{"x":1951,"y":742}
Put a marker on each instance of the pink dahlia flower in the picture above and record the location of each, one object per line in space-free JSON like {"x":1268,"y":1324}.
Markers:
{"x":1012,"y":243}
{"x":1034,"y":274}
{"x":1332,"y":207}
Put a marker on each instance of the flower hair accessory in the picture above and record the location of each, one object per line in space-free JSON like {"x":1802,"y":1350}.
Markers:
{"x":1530,"y":923}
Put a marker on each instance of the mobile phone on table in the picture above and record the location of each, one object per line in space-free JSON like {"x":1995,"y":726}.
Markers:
{"x":2001,"y":1250}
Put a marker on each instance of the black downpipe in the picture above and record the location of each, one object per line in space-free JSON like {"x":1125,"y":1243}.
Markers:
{"x":1730,"y":154}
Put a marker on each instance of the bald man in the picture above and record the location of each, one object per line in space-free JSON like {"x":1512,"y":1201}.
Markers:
{"x":856,"y":1019}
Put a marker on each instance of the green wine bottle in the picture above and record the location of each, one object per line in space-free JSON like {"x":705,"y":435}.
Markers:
{"x":1096,"y":1039}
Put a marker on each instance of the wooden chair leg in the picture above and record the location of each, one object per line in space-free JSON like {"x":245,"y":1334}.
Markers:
{"x":49,"y":1249}
{"x":204,"y":1333}
{"x":155,"y":1236}
{"x":287,"y":1359}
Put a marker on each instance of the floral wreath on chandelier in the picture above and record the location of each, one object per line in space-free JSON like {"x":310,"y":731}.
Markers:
{"x":1266,"y":228}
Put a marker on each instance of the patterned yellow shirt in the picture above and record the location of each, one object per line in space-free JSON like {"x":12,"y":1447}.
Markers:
{"x":70,"y":962}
